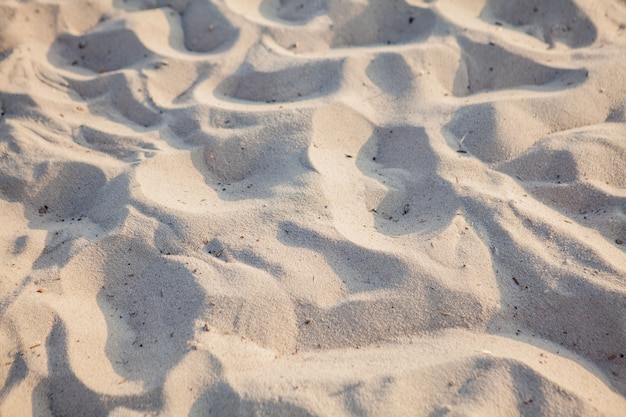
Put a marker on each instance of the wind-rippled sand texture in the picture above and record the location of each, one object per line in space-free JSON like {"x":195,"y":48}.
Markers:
{"x":313,"y":208}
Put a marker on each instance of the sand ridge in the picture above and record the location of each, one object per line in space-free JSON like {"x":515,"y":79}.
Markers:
{"x":287,"y":207}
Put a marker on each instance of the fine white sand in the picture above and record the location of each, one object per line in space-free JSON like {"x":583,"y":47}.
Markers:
{"x":313,"y":208}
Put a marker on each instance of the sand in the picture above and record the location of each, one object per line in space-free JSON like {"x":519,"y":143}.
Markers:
{"x":313,"y":208}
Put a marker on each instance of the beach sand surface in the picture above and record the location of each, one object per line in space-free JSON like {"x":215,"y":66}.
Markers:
{"x":313,"y":208}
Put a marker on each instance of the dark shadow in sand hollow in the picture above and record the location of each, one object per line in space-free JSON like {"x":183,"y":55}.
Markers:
{"x":154,"y":298}
{"x":419,"y":199}
{"x":221,"y":400}
{"x":66,"y":395}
